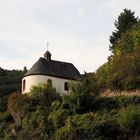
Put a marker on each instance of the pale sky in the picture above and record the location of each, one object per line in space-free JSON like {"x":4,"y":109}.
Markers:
{"x":78,"y":31}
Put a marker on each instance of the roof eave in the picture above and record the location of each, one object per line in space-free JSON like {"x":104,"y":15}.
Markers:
{"x":62,"y":77}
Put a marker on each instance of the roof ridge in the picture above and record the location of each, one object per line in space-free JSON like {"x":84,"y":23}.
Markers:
{"x":56,"y":60}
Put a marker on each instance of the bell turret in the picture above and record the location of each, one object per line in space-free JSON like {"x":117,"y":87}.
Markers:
{"x":47,"y":56}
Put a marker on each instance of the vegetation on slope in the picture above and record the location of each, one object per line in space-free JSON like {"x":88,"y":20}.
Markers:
{"x":49,"y":116}
{"x":10,"y":81}
{"x":122,"y":71}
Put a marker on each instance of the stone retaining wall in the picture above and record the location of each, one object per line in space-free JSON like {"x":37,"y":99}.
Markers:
{"x":109,"y":93}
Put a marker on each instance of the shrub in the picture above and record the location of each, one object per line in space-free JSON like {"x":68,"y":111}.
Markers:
{"x":36,"y":123}
{"x":3,"y":103}
{"x":124,"y":101}
{"x":5,"y":116}
{"x":109,"y":103}
{"x":106,"y":103}
{"x":18,"y":106}
{"x":97,"y":131}
{"x":28,"y":135}
{"x":57,"y":118}
{"x":79,"y":100}
{"x":129,"y":118}
{"x":45,"y":94}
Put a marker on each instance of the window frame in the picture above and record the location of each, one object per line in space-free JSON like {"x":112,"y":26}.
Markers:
{"x":66,"y":86}
{"x":24,"y":85}
{"x":49,"y":82}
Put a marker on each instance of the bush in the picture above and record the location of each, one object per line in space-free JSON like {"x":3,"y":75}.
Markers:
{"x":105,"y":103}
{"x":129,"y":118}
{"x":79,"y":100}
{"x":2,"y":128}
{"x":118,"y":102}
{"x":3,"y":103}
{"x":94,"y":131}
{"x":124,"y":101}
{"x":28,"y":135}
{"x":18,"y":106}
{"x":36,"y":124}
{"x":5,"y":116}
{"x":45,"y":94}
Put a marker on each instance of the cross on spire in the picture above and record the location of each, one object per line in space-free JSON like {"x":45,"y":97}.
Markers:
{"x":47,"y":54}
{"x":47,"y":45}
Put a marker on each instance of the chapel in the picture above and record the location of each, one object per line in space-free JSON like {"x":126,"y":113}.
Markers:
{"x":58,"y":74}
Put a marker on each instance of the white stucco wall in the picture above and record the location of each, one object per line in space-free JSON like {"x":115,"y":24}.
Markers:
{"x":32,"y":80}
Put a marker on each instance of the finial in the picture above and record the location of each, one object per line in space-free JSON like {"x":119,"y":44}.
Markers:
{"x":47,"y":45}
{"x":47,"y":54}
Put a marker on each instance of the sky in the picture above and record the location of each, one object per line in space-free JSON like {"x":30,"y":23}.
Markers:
{"x":77,"y":31}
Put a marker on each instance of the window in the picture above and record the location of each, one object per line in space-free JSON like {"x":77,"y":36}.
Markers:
{"x":66,"y":86}
{"x":24,"y":85}
{"x":49,"y":82}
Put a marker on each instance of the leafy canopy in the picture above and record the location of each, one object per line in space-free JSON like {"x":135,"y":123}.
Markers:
{"x":126,"y":20}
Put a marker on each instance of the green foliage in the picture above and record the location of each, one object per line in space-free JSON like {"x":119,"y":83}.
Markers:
{"x":10,"y":81}
{"x":5,"y":118}
{"x":45,"y":93}
{"x":58,"y":118}
{"x":122,"y":70}
{"x":79,"y":100}
{"x":128,"y":41}
{"x":3,"y":103}
{"x":102,"y":75}
{"x":89,"y":83}
{"x":111,"y":103}
{"x":125,"y":71}
{"x":35,"y":123}
{"x":87,"y":126}
{"x":18,"y":106}
{"x":30,"y":111}
{"x":129,"y":118}
{"x":28,"y":135}
{"x":126,"y":20}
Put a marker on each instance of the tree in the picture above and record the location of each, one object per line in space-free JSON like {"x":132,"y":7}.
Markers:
{"x":10,"y":81}
{"x":125,"y":64}
{"x":102,"y":75}
{"x":81,"y":97}
{"x":126,"y":20}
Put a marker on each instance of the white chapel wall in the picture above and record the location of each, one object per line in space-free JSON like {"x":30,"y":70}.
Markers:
{"x":32,"y":80}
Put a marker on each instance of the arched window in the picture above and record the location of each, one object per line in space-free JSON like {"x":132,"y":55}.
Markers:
{"x":66,"y":86}
{"x":24,"y":85}
{"x":49,"y":82}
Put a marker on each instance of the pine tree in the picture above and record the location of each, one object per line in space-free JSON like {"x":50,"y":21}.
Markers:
{"x":126,"y":20}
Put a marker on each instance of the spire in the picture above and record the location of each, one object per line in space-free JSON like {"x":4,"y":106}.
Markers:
{"x":47,"y":45}
{"x":47,"y":54}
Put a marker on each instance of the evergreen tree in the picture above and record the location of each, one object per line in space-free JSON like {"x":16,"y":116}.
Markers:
{"x":126,"y":20}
